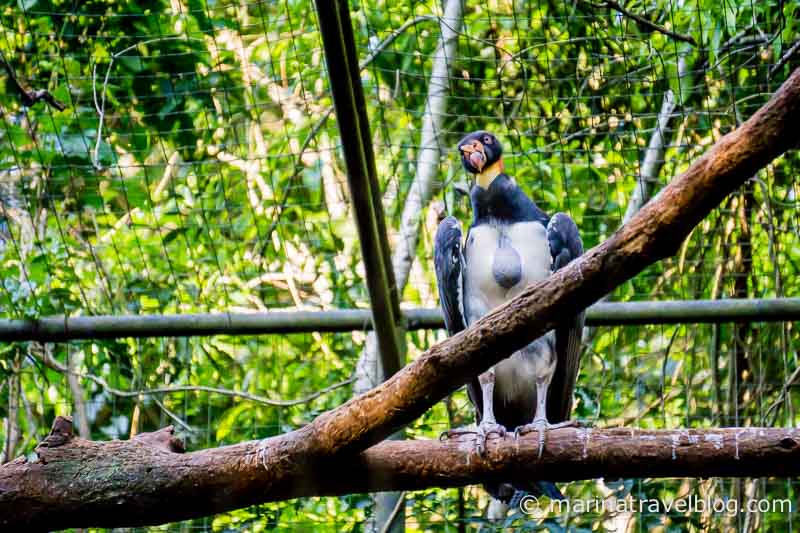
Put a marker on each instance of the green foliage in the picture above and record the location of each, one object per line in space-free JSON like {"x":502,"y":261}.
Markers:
{"x":174,"y":182}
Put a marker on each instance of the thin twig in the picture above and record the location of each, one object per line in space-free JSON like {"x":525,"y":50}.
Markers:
{"x":216,"y":390}
{"x":390,"y":519}
{"x":298,"y":168}
{"x":612,"y":4}
{"x":52,"y":363}
{"x":793,"y":379}
{"x":664,"y":362}
{"x":29,"y":97}
{"x":101,"y":107}
{"x":785,"y":58}
{"x":380,"y":47}
{"x":178,"y":420}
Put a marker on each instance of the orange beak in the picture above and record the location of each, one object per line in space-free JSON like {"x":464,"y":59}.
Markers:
{"x":474,"y":153}
{"x":478,"y":160}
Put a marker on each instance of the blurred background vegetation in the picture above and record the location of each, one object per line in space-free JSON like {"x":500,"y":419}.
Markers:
{"x":196,"y":167}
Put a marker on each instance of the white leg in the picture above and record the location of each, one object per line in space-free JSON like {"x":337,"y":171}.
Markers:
{"x":487,"y":392}
{"x":488,"y":424}
{"x":540,"y":423}
{"x":541,"y":399}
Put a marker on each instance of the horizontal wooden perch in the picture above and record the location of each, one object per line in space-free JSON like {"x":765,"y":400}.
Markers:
{"x":82,"y":483}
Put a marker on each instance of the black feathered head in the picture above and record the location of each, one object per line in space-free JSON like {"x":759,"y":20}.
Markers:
{"x":479,"y":150}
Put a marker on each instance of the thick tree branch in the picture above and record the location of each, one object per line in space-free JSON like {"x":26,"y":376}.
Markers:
{"x":289,"y":463}
{"x":87,"y":483}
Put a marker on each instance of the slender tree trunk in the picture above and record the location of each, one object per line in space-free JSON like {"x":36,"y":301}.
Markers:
{"x":78,"y":398}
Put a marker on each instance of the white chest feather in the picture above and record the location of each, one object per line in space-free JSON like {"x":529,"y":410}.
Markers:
{"x":500,"y":261}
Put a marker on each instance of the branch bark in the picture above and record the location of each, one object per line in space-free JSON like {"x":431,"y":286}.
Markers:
{"x":83,"y":483}
{"x":289,"y":464}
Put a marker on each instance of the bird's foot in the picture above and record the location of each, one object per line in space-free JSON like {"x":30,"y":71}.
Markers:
{"x":482,"y":431}
{"x":541,"y":425}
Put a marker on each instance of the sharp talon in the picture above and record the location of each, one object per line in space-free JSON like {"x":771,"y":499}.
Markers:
{"x":540,"y":426}
{"x":483,"y":432}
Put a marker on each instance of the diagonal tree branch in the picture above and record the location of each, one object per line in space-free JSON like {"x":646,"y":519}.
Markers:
{"x":288,"y":464}
{"x":790,"y":53}
{"x":29,"y":97}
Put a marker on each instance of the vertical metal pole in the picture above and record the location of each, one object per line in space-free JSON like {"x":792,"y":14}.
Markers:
{"x":348,"y":99}
{"x":361,"y":175}
{"x":366,"y":141}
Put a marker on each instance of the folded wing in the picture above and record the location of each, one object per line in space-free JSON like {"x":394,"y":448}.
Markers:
{"x":565,"y":245}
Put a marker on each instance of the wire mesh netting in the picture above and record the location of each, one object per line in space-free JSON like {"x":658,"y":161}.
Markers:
{"x":196,"y":167}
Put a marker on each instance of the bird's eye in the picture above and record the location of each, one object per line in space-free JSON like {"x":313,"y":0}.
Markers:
{"x":487,"y":140}
{"x":454,"y":258}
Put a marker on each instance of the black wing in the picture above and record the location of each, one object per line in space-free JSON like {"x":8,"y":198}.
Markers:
{"x":449,"y":262}
{"x":565,"y":245}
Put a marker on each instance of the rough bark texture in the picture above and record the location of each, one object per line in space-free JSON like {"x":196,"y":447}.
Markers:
{"x":287,"y":464}
{"x":147,"y":480}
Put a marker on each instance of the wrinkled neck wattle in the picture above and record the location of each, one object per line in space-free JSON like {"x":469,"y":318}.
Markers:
{"x":485,"y":178}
